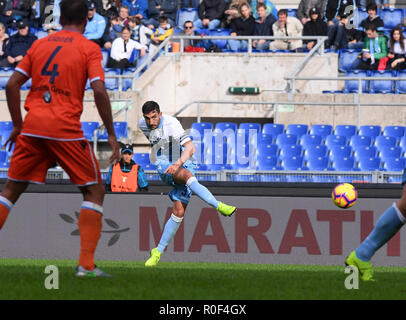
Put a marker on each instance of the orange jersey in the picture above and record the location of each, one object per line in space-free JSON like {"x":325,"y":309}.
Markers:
{"x":59,"y":66}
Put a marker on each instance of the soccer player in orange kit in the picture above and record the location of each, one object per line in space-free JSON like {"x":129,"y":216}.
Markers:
{"x":59,"y":66}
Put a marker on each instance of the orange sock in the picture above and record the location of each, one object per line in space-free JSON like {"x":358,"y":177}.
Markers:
{"x":5,"y":207}
{"x":90,"y":224}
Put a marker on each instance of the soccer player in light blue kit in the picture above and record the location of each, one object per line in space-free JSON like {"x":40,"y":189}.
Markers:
{"x":172,"y":153}
{"x":385,"y":228}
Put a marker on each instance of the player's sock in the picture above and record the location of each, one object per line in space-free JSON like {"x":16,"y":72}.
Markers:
{"x":386,"y":227}
{"x":202,"y":192}
{"x":90,"y":224}
{"x":5,"y":208}
{"x":169,"y":231}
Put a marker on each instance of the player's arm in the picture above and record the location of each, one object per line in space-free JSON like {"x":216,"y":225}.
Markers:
{"x":13,"y":86}
{"x":188,"y":151}
{"x":104,"y":108}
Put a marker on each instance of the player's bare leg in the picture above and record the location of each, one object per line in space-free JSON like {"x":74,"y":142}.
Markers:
{"x":171,"y":227}
{"x":9,"y":196}
{"x":90,"y":225}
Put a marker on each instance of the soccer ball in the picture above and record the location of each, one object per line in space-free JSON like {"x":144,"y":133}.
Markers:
{"x":344,"y":195}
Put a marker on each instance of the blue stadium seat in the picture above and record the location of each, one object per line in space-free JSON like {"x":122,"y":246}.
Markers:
{"x":358,"y":141}
{"x":4,"y":165}
{"x":402,"y":143}
{"x":310,"y":139}
{"x":340,"y":151}
{"x":120,"y":129}
{"x":273,"y":128}
{"x":5,"y":130}
{"x":27,"y":85}
{"x":3,"y":156}
{"x":381,"y":86}
{"x":201,"y":167}
{"x":265,"y":138}
{"x":370,"y":131}
{"x":394,"y":164}
{"x":267,"y":150}
{"x":290,"y":150}
{"x":359,"y":15}
{"x":364,"y":152}
{"x":216,"y":153}
{"x":394,"y":131}
{"x":297,"y":129}
{"x":369,"y":164}
{"x":201,"y":128}
{"x":3,"y":78}
{"x":223,"y":126}
{"x":321,"y":129}
{"x":269,"y":162}
{"x":88,"y":129}
{"x":313,"y":151}
{"x":343,"y":164}
{"x":247,"y":126}
{"x":185,"y":14}
{"x":218,"y":167}
{"x":105,"y":55}
{"x":390,"y":152}
{"x":345,"y":130}
{"x":346,"y":58}
{"x":220,"y":32}
{"x":318,"y":163}
{"x":199,"y":153}
{"x":351,"y":86}
{"x":384,"y":141}
{"x":141,"y":158}
{"x":292,"y":12}
{"x":400,"y":84}
{"x":111,"y":83}
{"x":284,"y":139}
{"x":127,"y":83}
{"x":335,"y":140}
{"x":391,"y":17}
{"x":292,"y":163}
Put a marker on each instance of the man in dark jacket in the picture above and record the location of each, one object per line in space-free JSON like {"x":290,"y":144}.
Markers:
{"x":263,"y":27}
{"x":242,"y":26}
{"x":371,"y":19}
{"x":18,"y":45}
{"x":157,"y":8}
{"x":210,"y":13}
{"x":314,"y":27}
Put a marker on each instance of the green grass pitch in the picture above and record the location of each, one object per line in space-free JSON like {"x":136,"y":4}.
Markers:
{"x":24,"y":279}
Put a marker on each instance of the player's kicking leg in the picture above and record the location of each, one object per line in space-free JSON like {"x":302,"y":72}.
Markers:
{"x":385,"y":228}
{"x":170,"y":229}
{"x":9,"y":196}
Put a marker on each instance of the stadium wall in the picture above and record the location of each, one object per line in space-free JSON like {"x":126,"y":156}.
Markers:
{"x":276,"y":224}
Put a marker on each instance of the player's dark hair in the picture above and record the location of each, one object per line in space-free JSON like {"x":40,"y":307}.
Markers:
{"x":371,"y":27}
{"x":150,"y":106}
{"x":73,"y":12}
{"x":163,"y":19}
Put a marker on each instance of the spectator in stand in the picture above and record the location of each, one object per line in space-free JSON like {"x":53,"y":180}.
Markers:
{"x":111,"y":8}
{"x":233,"y":10}
{"x":303,"y":11}
{"x":270,"y":8}
{"x":161,"y":33}
{"x":110,"y":34}
{"x":382,"y":3}
{"x":4,"y":38}
{"x":263,"y":27}
{"x":18,"y":45}
{"x":337,"y":9}
{"x":210,"y":14}
{"x":139,"y":32}
{"x":6,"y":16}
{"x":137,"y":8}
{"x":158,"y":8}
{"x":242,"y":26}
{"x":315,"y":27}
{"x":189,"y":30}
{"x":21,"y":9}
{"x":123,"y":20}
{"x":286,"y":27}
{"x":96,"y":25}
{"x":189,"y":3}
{"x":122,"y":51}
{"x":375,"y":48}
{"x":397,"y":50}
{"x":372,"y":18}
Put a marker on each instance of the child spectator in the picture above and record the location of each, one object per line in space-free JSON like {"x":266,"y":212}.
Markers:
{"x":161,"y":33}
{"x":139,"y":32}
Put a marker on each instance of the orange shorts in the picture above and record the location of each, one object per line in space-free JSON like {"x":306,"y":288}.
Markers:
{"x":32,"y":157}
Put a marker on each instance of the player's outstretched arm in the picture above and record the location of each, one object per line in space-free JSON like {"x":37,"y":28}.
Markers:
{"x":188,"y":151}
{"x":13,"y":86}
{"x":104,"y":108}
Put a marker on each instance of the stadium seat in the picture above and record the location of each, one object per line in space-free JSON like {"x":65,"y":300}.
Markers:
{"x":400,"y":84}
{"x":290,"y":150}
{"x":89,"y":128}
{"x":3,"y":79}
{"x":345,"y":130}
{"x":286,"y":139}
{"x":335,"y":140}
{"x":201,"y":167}
{"x":340,"y":151}
{"x":394,"y":164}
{"x":4,"y":165}
{"x":369,"y":164}
{"x":343,"y":163}
{"x":186,"y":14}
{"x":218,"y":167}
{"x":27,"y":85}
{"x":292,"y":12}
{"x":3,"y":156}
{"x":346,"y":58}
{"x":111,"y":83}
{"x":199,"y":153}
{"x":106,"y":55}
{"x":120,"y":129}
{"x":223,"y":126}
{"x":391,"y":17}
{"x":265,"y":138}
{"x":351,"y":86}
{"x":141,"y":158}
{"x":402,"y":143}
{"x":310,"y":139}
{"x":273,"y":129}
{"x":394,"y":131}
{"x":359,"y":15}
{"x":384,"y":141}
{"x":292,"y":163}
{"x":381,"y":86}
{"x":318,"y":163}
{"x":247,"y":126}
{"x":297,"y":129}
{"x":198,"y":130}
{"x":127,"y":83}
{"x":267,"y":150}
{"x":365,"y":152}
{"x":219,"y":32}
{"x":269,"y":162}
{"x":313,"y":151}
{"x":5,"y":130}
{"x":321,"y":129}
{"x":358,"y":141}
{"x":390,"y":152}
{"x":370,"y":131}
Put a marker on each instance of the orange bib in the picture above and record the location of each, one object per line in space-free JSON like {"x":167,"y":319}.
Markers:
{"x":124,"y":181}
